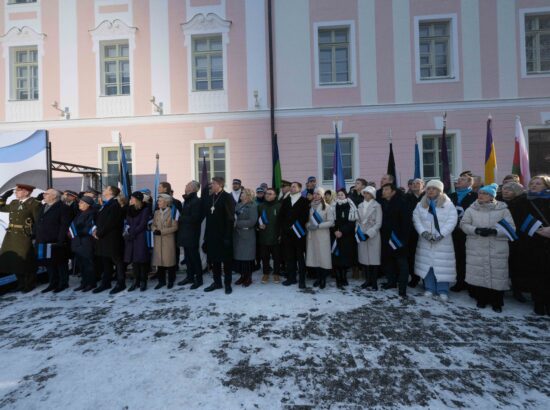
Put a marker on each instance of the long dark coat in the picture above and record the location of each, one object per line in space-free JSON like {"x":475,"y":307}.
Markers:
{"x":83,"y":243}
{"x":218,"y":234}
{"x":530,"y":258}
{"x":52,"y":227}
{"x":135,"y":236}
{"x":17,"y":253}
{"x":189,"y":228}
{"x":109,"y":222}
{"x":396,"y":218}
{"x":290,"y":214}
{"x":345,"y":255}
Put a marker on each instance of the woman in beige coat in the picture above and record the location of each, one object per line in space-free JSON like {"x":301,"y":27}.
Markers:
{"x":488,"y":226}
{"x":164,"y":229}
{"x":318,"y":254}
{"x":368,"y":237}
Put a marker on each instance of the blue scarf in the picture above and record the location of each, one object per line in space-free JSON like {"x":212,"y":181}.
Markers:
{"x":543,"y":194}
{"x":461,"y":194}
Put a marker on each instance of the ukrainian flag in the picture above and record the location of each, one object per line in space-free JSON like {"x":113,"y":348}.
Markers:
{"x":490,"y":156}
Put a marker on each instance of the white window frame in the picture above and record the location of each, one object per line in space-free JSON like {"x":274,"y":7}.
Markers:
{"x":193,"y":144}
{"x":131,"y":146}
{"x":457,"y":149}
{"x":13,"y":77}
{"x":324,"y":25}
{"x":209,"y":53}
{"x":454,"y":63}
{"x":118,"y":43}
{"x":354,"y":159}
{"x":522,"y":14}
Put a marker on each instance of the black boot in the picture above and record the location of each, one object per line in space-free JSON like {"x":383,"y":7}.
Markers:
{"x":339,"y":279}
{"x":365,"y":284}
{"x":118,"y":288}
{"x":414,"y":281}
{"x":519,"y":296}
{"x":171,"y":277}
{"x":135,"y":285}
{"x":291,"y":279}
{"x":186,"y":281}
{"x":458,"y":287}
{"x":161,"y":275}
{"x":345,"y":277}
{"x":322,"y":273}
{"x":317,"y":282}
{"x":373,"y":277}
{"x":301,"y":280}
{"x":539,"y":308}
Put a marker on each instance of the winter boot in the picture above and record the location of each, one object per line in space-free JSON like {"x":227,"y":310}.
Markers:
{"x":161,"y":275}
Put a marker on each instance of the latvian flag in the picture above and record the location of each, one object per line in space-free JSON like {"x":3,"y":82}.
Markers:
{"x":44,"y":251}
{"x":72,"y":231}
{"x":298,"y":230}
{"x":359,"y":235}
{"x":395,"y":243}
{"x":262,"y":220}
{"x":335,"y":249}
{"x":316,"y":219}
{"x":530,"y":225}
{"x":504,"y":227}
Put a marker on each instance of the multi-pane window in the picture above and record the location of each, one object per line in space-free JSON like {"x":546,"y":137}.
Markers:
{"x":21,"y":1}
{"x":207,"y":63}
{"x":431,"y":155}
{"x":539,"y":151}
{"x":334,"y":55}
{"x":537,"y":43}
{"x":434,"y":47}
{"x":115,"y":67}
{"x":215,"y":160}
{"x":25,"y":73}
{"x":327,"y":153}
{"x":111,"y":165}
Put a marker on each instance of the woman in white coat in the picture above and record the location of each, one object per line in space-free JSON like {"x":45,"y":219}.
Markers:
{"x":318,"y":253}
{"x":368,"y":237}
{"x":488,"y":225}
{"x":435,"y":218}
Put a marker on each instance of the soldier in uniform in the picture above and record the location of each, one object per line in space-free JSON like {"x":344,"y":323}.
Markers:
{"x":17,"y":254}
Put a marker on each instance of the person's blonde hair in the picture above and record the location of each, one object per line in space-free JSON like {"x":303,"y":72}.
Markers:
{"x":544,"y":178}
{"x":514,"y":187}
{"x":249,"y":193}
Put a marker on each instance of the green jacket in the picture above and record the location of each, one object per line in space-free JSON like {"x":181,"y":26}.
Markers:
{"x":17,"y":253}
{"x":272,"y":232}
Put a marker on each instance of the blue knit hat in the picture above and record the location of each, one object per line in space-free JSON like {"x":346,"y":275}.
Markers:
{"x":490,"y":189}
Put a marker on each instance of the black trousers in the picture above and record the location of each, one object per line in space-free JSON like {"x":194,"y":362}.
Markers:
{"x":293,"y":251}
{"x":396,"y":268}
{"x":271,"y":251}
{"x":107,"y":263}
{"x":217,"y":272}
{"x":487,"y":296}
{"x":193,"y":263}
{"x":87,"y":269}
{"x":459,"y":243}
{"x":58,"y":273}
{"x":161,"y":274}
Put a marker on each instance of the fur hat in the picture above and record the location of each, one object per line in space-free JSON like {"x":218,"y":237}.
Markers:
{"x":371,"y":190}
{"x":88,"y":200}
{"x":138,"y":195}
{"x":490,"y":189}
{"x":435,"y":183}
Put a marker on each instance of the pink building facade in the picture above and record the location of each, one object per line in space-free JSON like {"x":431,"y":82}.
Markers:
{"x":369,"y":67}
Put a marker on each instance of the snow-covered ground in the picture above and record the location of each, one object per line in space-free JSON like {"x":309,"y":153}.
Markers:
{"x":269,"y":347}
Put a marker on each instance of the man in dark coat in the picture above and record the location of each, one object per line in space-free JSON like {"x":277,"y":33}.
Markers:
{"x":462,"y":198}
{"x":269,"y":233}
{"x":386,"y":179}
{"x":355,"y":191}
{"x":108,"y":232}
{"x":219,"y":209}
{"x":17,"y":254}
{"x":294,"y":216}
{"x":83,"y":243}
{"x":395,"y":232}
{"x":51,"y":229}
{"x":412,"y":198}
{"x":189,"y":233}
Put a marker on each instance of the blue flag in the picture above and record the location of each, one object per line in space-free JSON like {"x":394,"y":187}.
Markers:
{"x":337,"y":167}
{"x":124,"y":181}
{"x":157,"y":182}
{"x":416,"y":161}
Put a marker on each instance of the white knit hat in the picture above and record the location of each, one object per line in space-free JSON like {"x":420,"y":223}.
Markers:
{"x":436,"y":183}
{"x":370,"y":190}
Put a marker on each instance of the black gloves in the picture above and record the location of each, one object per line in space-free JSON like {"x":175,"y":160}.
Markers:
{"x":485,"y":231}
{"x":7,"y":194}
{"x":156,"y":232}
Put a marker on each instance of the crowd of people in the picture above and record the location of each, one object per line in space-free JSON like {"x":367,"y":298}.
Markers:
{"x":481,"y":239}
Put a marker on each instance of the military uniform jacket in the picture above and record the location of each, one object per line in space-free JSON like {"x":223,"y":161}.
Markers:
{"x":17,"y":253}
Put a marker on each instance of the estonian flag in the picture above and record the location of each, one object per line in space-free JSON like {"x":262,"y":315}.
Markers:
{"x":504,"y":227}
{"x":262,"y":220}
{"x":395,"y":243}
{"x":44,"y":251}
{"x":298,"y":230}
{"x":530,"y":225}
{"x":431,"y":210}
{"x":72,"y":231}
{"x":316,"y":219}
{"x":149,"y":235}
{"x":359,"y":235}
{"x":335,"y":249}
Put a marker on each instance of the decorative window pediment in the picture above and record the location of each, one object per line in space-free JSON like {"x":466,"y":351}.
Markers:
{"x":112,"y":30}
{"x":205,"y":24}
{"x":22,"y":36}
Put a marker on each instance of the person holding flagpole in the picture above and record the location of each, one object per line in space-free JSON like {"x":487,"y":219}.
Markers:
{"x":435,"y":219}
{"x":318,"y":254}
{"x":489,"y":226}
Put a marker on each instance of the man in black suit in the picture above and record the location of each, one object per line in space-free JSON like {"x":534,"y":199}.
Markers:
{"x":293,"y":218}
{"x":219,"y":208}
{"x":108,"y":232}
{"x":413,"y":197}
{"x":462,"y":198}
{"x":52,"y":227}
{"x":189,"y":233}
